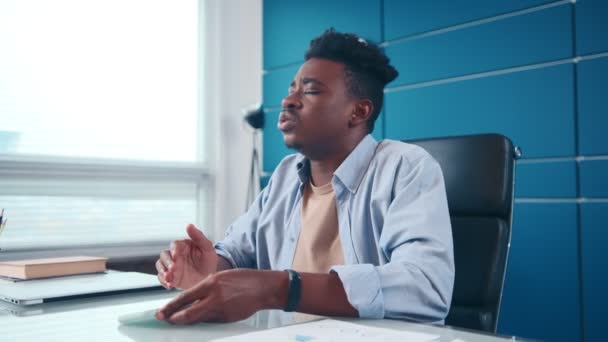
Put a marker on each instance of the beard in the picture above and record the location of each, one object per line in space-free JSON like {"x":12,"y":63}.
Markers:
{"x":292,"y":143}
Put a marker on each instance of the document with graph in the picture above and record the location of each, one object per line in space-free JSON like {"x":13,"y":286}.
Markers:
{"x":330,"y":330}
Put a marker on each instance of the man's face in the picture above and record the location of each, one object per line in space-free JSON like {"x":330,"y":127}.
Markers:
{"x":316,"y":112}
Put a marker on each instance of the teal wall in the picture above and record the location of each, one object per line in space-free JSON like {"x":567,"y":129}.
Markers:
{"x":536,"y":71}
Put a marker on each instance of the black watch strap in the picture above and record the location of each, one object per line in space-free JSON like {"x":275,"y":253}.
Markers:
{"x":294,"y":291}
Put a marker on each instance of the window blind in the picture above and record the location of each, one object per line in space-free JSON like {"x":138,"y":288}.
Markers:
{"x":116,"y":82}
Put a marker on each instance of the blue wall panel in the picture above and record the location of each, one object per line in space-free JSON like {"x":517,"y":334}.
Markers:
{"x":592,"y":78}
{"x":534,"y":108}
{"x":378,"y":132}
{"x":274,"y":148}
{"x":276,"y":83}
{"x":289,"y":25}
{"x":594,"y":178}
{"x":591,"y":26}
{"x":404,"y":18}
{"x":546,"y":179}
{"x":521,"y":40}
{"x":541,"y":294}
{"x":264,"y":180}
{"x":594,"y":239}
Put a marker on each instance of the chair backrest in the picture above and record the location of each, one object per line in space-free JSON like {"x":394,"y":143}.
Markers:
{"x":478,"y":172}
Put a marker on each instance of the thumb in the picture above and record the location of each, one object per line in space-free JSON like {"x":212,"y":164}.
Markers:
{"x":198,"y":238}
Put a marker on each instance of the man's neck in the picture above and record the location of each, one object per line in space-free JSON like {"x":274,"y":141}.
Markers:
{"x":323,"y":169}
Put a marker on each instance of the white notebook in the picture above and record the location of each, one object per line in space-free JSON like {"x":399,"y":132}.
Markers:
{"x":44,"y":290}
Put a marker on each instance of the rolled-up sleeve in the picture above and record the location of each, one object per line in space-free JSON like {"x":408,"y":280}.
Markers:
{"x":417,"y":280}
{"x":363,"y":289}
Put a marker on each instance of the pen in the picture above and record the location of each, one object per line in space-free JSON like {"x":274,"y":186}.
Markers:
{"x":3,"y":221}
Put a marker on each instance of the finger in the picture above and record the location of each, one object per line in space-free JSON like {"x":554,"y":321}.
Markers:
{"x":197,"y":312}
{"x":160,"y":268}
{"x":165,"y":258}
{"x":162,"y":275}
{"x":168,"y":266}
{"x":199,"y":238}
{"x":185,"y":298}
{"x":177,"y":249}
{"x":163,"y":283}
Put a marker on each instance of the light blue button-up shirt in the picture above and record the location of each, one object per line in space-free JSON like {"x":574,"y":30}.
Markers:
{"x":393,"y":222}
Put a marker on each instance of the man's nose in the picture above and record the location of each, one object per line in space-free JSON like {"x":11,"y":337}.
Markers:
{"x":291,"y":102}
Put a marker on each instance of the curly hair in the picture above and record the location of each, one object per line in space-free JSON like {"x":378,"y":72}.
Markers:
{"x":366,"y":67}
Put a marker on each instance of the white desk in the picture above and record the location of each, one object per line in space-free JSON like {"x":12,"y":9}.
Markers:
{"x":95,"y":319}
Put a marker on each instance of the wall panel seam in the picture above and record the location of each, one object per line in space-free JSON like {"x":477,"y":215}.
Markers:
{"x":577,"y":159}
{"x":579,"y":200}
{"x":473,"y":23}
{"x":483,"y":74}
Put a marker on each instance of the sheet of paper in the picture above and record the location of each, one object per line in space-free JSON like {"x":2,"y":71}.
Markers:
{"x":330,"y":330}
{"x":142,"y":318}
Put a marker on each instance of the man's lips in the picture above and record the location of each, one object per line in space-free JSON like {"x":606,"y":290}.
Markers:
{"x":286,"y":123}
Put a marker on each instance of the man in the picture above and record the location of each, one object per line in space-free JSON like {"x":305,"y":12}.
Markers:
{"x":364,"y":225}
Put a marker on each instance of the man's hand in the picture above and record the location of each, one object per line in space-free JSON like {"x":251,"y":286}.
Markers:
{"x":227,"y":296}
{"x":187,"y":261}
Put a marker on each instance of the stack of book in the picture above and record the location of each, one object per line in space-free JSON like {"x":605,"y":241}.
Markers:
{"x":48,"y":267}
{"x":51,"y":267}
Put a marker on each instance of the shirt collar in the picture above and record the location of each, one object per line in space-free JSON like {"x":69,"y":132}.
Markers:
{"x":352,"y":169}
{"x":303,"y":167}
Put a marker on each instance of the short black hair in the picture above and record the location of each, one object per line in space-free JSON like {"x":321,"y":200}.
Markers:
{"x":367,"y":69}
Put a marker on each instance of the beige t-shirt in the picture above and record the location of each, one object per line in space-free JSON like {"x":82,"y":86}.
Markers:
{"x":319,"y":245}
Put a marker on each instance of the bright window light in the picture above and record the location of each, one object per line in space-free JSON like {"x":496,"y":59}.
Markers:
{"x":111,"y":79}
{"x":100,"y":128}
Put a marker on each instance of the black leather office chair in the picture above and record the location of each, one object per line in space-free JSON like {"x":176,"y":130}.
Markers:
{"x":478,"y":172}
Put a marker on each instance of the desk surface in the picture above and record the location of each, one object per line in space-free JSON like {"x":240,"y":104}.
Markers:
{"x":96,"y":319}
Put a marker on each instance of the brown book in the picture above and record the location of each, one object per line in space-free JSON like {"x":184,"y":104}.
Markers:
{"x":52,"y":267}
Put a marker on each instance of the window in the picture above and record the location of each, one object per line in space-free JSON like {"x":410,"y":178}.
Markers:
{"x":101,"y":137}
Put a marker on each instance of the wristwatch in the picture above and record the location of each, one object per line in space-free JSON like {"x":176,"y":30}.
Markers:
{"x":294,"y":291}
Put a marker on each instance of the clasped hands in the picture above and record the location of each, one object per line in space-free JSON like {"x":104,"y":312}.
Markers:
{"x":210,"y":293}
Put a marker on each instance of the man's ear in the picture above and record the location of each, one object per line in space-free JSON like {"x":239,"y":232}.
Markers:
{"x":361,"y":113}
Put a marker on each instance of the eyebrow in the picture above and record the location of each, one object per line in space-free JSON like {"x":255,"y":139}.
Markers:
{"x":307,"y":80}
